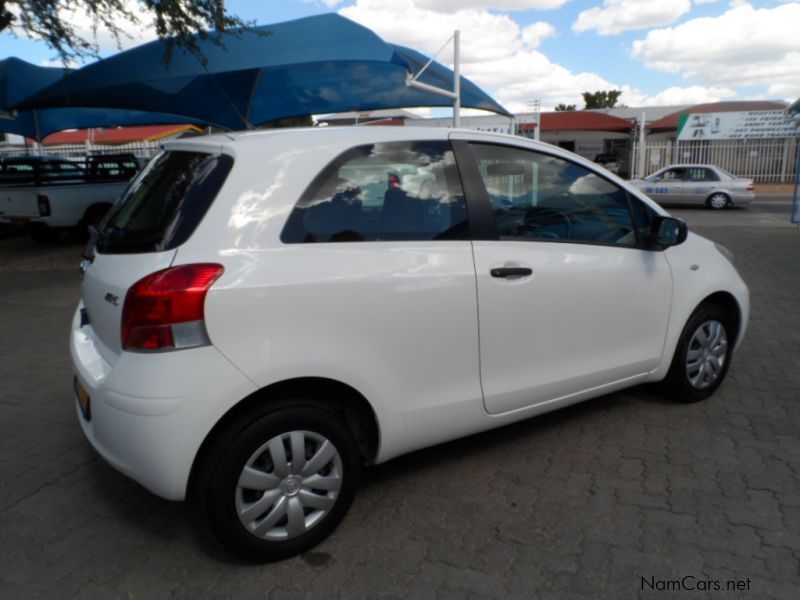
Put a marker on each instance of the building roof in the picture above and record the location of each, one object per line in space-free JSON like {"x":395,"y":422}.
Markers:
{"x":118,"y":135}
{"x":634,"y":113}
{"x":579,"y":120}
{"x":366,"y":115}
{"x":671,"y":121}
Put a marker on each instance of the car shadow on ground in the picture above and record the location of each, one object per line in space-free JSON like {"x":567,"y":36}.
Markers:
{"x":439,"y":456}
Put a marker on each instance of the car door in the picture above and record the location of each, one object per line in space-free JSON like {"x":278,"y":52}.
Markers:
{"x":701,"y":181}
{"x":671,"y":187}
{"x":569,"y":301}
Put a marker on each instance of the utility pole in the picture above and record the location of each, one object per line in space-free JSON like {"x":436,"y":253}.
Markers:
{"x":640,"y":168}
{"x":457,"y":78}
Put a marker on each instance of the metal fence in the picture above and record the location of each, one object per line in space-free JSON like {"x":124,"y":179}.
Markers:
{"x":147,"y":149}
{"x":767,"y":161}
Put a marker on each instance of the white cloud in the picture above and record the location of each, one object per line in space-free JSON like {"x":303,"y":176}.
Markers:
{"x":534,"y":33}
{"x":131,"y":34}
{"x":456,"y":5}
{"x":694,"y":94}
{"x":744,"y":46}
{"x":617,"y":16}
{"x":328,"y":3}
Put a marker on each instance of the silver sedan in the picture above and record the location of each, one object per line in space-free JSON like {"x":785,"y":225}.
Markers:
{"x":696,"y":184}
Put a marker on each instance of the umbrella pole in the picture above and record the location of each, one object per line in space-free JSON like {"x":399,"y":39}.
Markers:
{"x":412,"y":80}
{"x":457,"y":78}
{"x":38,"y":145}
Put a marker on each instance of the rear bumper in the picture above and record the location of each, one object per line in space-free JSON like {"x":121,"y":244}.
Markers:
{"x":149,"y":413}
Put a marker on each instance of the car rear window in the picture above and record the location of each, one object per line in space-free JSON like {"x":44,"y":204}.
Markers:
{"x":162,"y":207}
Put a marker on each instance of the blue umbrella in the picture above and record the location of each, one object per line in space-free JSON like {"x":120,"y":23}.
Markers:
{"x":319,"y":64}
{"x":19,"y":79}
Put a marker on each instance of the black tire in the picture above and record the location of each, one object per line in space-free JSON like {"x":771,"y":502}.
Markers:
{"x":718,"y":201}
{"x":44,"y":234}
{"x":678,"y":383}
{"x":220,"y":498}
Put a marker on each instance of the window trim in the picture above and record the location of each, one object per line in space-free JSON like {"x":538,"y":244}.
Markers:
{"x":479,"y":207}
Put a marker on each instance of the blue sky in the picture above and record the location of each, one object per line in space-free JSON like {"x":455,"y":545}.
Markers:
{"x":659,"y":52}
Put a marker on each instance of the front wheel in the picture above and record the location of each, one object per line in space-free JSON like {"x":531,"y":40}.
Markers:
{"x":702,"y":356}
{"x":280,"y":485}
{"x":718,"y":201}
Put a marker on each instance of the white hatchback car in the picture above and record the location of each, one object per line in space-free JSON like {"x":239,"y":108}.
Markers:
{"x":263,"y":313}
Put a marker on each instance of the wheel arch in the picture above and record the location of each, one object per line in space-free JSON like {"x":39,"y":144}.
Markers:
{"x":319,"y":392}
{"x":730,"y":305}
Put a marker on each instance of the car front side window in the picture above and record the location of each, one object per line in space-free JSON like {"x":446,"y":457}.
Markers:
{"x":537,"y":196}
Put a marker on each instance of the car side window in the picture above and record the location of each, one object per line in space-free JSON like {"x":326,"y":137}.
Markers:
{"x":707,"y":175}
{"x":536,"y":196}
{"x":674,"y":175}
{"x":383,"y":192}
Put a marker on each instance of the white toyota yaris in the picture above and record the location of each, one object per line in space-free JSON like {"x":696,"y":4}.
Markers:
{"x":263,"y":313}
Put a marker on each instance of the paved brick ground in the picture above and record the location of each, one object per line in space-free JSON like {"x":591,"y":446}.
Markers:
{"x":582,"y":503}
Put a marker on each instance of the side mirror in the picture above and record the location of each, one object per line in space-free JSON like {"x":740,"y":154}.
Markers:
{"x":668,"y":231}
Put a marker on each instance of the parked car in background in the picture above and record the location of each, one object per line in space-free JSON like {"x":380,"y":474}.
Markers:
{"x":264,"y":313}
{"x":697,"y":184}
{"x":47,"y":196}
{"x":35,"y":170}
{"x":610,"y":162}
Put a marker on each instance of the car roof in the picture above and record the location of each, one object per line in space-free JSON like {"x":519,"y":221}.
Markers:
{"x":352,"y":135}
{"x":690,"y":166}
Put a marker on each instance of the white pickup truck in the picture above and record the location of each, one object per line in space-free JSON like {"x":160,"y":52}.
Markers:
{"x":47,"y":196}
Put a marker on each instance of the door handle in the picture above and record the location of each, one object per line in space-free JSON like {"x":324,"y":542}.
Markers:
{"x":511,"y":272}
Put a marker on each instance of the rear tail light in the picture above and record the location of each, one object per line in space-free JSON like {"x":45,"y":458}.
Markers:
{"x":166,"y":309}
{"x":751,"y":187}
{"x":44,"y":205}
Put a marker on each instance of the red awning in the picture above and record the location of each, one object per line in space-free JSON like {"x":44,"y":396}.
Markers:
{"x":120,"y":135}
{"x":580,"y":120}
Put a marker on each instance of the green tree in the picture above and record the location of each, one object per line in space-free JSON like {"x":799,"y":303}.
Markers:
{"x":564,"y":107}
{"x":178,"y":20}
{"x":601,"y":99}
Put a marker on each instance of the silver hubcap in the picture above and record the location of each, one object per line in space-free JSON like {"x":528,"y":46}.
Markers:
{"x":706,"y":355}
{"x":288,"y":485}
{"x":719,"y":201}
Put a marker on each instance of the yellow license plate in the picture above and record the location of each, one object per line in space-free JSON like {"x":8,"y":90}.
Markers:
{"x":83,"y":399}
{"x":18,"y":221}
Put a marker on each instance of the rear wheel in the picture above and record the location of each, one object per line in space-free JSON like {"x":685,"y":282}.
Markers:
{"x":702,"y":356}
{"x":279,"y":485}
{"x":718,"y":201}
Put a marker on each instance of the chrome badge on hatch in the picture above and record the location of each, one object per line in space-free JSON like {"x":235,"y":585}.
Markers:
{"x":112,"y":298}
